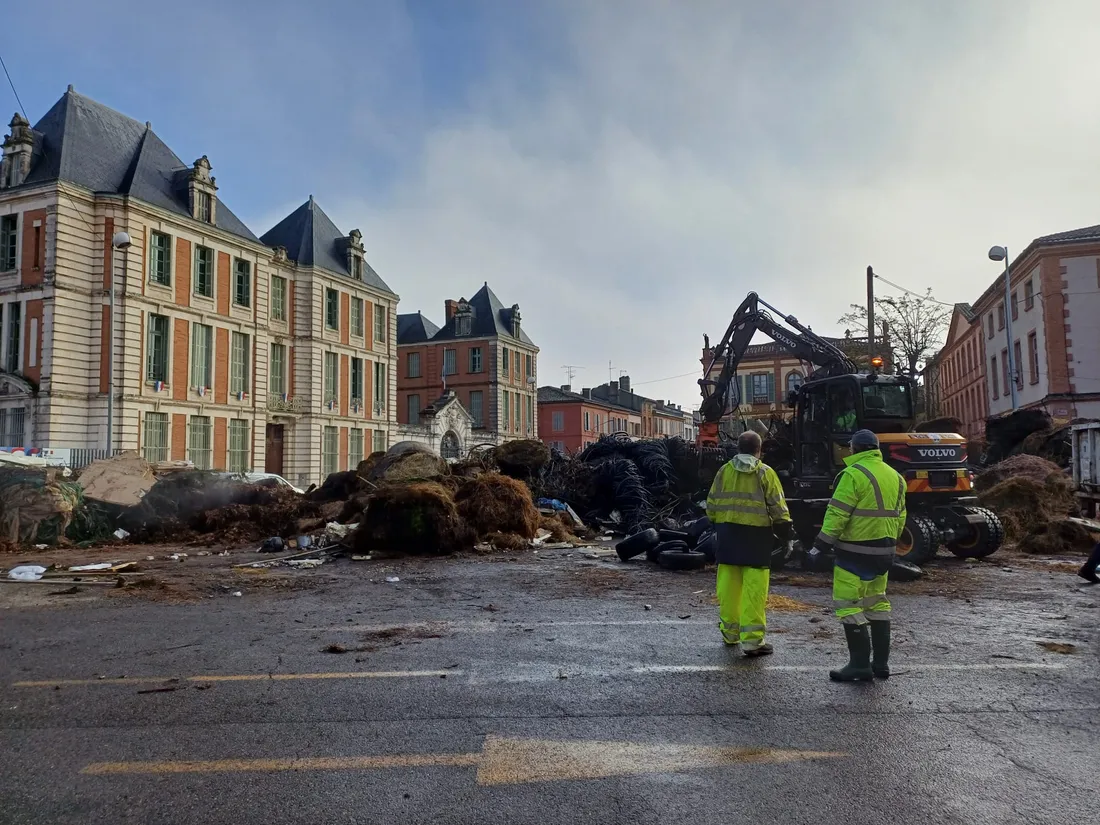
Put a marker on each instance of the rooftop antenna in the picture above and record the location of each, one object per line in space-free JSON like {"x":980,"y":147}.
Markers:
{"x":571,"y":371}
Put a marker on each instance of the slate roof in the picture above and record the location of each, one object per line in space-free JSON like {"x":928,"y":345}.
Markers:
{"x":1088,"y":233}
{"x":491,"y":320}
{"x":966,"y":311}
{"x":312,"y":239}
{"x":414,"y":328}
{"x":81,"y":141}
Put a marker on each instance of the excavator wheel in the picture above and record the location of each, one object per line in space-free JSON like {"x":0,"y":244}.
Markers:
{"x":919,"y":540}
{"x":984,"y":538}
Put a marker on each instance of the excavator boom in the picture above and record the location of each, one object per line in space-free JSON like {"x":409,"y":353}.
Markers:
{"x":800,"y":341}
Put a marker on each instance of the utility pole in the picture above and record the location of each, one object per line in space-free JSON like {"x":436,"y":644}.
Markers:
{"x":870,"y":313}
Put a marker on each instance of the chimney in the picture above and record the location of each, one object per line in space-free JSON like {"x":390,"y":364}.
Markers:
{"x":449,"y":310}
{"x":613,"y":386}
{"x":624,"y":383}
{"x":587,"y":393}
{"x":566,"y":388}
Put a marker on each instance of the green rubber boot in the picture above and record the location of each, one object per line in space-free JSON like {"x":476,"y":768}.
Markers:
{"x":880,"y":644}
{"x":858,"y":668}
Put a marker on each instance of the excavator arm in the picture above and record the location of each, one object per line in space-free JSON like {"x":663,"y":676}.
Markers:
{"x":800,"y":341}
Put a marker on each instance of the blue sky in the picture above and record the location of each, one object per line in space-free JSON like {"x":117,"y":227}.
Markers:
{"x":626,"y":170}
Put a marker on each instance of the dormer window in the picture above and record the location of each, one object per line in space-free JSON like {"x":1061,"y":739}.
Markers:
{"x":515,"y":320}
{"x":464,"y":318}
{"x":355,"y":254}
{"x":17,"y":153}
{"x":201,"y":186}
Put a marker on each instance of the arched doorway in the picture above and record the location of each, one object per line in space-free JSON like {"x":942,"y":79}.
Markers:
{"x":449,"y":446}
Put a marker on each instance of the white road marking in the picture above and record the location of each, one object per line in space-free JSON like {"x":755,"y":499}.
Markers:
{"x":658,"y":669}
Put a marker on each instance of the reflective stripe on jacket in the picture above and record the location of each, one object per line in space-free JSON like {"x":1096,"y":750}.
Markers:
{"x":866,"y":514}
{"x":746,"y":491}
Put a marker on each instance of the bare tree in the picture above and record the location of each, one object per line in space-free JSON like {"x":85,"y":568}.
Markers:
{"x":918,"y":326}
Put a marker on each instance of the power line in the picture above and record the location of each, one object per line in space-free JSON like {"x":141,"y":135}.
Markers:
{"x":10,"y":83}
{"x":669,"y":378}
{"x":914,"y":294}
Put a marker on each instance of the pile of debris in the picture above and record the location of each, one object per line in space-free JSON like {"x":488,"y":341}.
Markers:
{"x":1035,"y":501}
{"x":1027,"y":432}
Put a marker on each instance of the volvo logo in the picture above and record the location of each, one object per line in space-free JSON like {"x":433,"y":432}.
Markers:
{"x":936,"y":452}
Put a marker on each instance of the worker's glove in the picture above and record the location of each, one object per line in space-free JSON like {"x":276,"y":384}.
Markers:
{"x":782,"y":530}
{"x":815,"y":559}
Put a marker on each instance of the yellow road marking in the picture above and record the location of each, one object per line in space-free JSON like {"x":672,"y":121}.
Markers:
{"x":243,"y":677}
{"x":502,"y":761}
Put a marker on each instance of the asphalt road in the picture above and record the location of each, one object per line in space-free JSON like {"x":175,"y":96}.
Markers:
{"x":544,"y":692}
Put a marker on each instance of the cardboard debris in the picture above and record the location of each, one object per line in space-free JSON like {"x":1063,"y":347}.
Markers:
{"x":123,"y":480}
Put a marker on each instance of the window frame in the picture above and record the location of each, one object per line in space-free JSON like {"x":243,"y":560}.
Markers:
{"x":412,"y":408}
{"x":409,"y":361}
{"x":158,"y":261}
{"x":278,"y":309}
{"x":238,"y":457}
{"x":239,"y":358}
{"x":155,"y":453}
{"x":242,"y":297}
{"x":557,"y":421}
{"x":203,"y":262}
{"x":450,"y":361}
{"x":330,"y":378}
{"x":207,"y":424}
{"x":356,"y":377}
{"x":332,"y":309}
{"x":280,"y":372}
{"x":330,"y":458}
{"x":208,"y":368}
{"x":477,"y":411}
{"x":1029,"y":294}
{"x":9,"y":243}
{"x":14,"y":361}
{"x":355,"y":315}
{"x":480,"y":365}
{"x":356,"y":446}
{"x":1033,"y":357}
{"x":151,"y":348}
{"x":381,"y":323}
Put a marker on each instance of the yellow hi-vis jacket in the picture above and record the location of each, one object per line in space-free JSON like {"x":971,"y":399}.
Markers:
{"x":746,"y":491}
{"x":866,"y":514}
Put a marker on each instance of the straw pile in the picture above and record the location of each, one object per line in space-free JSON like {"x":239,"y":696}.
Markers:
{"x":493,"y":503}
{"x":522,"y":459}
{"x":1058,"y":538}
{"x":1020,"y":466}
{"x":414,"y":519}
{"x":408,"y":467}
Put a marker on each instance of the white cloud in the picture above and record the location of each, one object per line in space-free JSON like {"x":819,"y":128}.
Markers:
{"x":683,"y":154}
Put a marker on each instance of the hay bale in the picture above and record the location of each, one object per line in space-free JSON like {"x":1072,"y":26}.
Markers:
{"x":413,"y":519}
{"x":946,"y":424}
{"x":1021,"y":466}
{"x":1058,"y":538}
{"x":521,"y":459}
{"x":508,"y":542}
{"x":1025,"y":505}
{"x":337,"y":487}
{"x":1033,"y":444}
{"x":559,"y":526}
{"x":367,"y":465}
{"x":494,"y":503}
{"x":409,"y":466}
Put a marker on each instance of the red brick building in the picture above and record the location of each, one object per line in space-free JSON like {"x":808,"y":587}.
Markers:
{"x":961,"y":380}
{"x":570,"y":421}
{"x":481,"y":354}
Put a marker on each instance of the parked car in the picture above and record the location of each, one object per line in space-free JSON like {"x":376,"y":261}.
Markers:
{"x":264,"y":479}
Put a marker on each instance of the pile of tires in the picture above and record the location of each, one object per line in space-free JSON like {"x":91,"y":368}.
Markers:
{"x":690,"y":548}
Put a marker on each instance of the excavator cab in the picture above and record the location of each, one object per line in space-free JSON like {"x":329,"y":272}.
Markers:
{"x":829,"y":410}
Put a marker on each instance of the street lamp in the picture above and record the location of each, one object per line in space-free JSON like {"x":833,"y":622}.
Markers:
{"x":1000,"y":253}
{"x":120,"y":241}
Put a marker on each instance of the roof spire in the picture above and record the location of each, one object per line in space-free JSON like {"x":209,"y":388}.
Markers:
{"x":71,"y":89}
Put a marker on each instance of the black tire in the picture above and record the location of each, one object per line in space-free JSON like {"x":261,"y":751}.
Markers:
{"x":918,"y":541}
{"x":675,"y":535}
{"x":984,"y":538}
{"x":708,"y":546}
{"x":654,"y":553}
{"x":682,"y":560}
{"x":903,"y":571}
{"x":637,"y":544}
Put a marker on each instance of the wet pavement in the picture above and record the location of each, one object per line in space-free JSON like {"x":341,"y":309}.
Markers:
{"x":561,"y":690}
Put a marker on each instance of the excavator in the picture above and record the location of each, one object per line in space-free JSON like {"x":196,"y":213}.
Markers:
{"x":835,"y":400}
